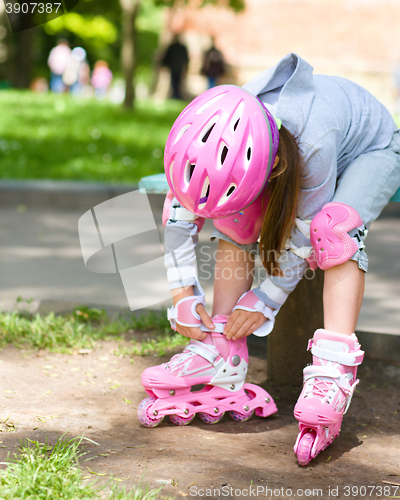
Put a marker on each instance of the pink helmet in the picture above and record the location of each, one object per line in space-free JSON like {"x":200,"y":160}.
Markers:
{"x":220,"y":152}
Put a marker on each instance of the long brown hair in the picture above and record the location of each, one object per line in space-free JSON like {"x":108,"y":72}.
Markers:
{"x":281,"y":211}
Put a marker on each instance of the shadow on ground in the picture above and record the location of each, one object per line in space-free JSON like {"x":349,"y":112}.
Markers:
{"x":47,"y":395}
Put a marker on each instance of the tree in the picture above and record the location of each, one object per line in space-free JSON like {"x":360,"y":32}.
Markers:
{"x":130,"y":9}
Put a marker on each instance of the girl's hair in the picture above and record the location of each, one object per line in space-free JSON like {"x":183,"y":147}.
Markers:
{"x":281,"y":211}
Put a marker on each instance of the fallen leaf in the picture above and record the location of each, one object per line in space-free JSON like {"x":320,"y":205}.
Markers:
{"x":96,"y":473}
{"x":391,"y":482}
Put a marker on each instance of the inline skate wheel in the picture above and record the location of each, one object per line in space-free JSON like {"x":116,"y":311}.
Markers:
{"x":304,"y":448}
{"x":242,"y":417}
{"x":145,"y":415}
{"x":177,"y":420}
{"x":211,"y":419}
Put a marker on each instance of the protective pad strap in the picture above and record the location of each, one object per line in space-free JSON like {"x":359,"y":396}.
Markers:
{"x":344,"y":358}
{"x":329,"y":234}
{"x":174,"y":211}
{"x":250,"y":302}
{"x":184,"y":313}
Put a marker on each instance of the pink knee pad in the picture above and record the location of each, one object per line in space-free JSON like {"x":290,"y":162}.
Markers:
{"x":329,"y":234}
{"x":244,"y":227}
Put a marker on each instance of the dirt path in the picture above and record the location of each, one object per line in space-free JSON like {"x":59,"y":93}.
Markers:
{"x":96,"y":395}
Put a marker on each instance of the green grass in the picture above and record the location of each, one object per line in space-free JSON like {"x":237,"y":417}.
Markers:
{"x":83,"y":328}
{"x":40,"y":471}
{"x":51,"y":136}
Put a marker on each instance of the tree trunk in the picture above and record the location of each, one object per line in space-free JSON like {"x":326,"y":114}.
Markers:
{"x":23,"y":58}
{"x":296,"y":322}
{"x":130,"y":10}
{"x":18,"y":62}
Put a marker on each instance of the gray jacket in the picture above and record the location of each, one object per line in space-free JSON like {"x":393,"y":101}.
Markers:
{"x":335,"y":121}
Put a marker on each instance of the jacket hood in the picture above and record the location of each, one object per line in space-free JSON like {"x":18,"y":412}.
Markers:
{"x":292,"y":79}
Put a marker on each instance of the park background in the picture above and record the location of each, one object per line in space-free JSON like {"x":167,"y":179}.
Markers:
{"x":54,"y":137}
{"x":61,"y":155}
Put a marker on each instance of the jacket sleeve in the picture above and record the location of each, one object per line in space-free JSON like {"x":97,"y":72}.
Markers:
{"x":317,"y":189}
{"x":180,"y":240}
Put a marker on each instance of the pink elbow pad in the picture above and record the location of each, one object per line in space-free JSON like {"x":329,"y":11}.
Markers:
{"x":244,"y":227}
{"x":329,"y":234}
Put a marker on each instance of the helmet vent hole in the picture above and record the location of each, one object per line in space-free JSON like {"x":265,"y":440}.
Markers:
{"x":205,"y":192}
{"x":181,"y":132}
{"x":248,"y":154}
{"x":207,"y":134}
{"x":227,"y":195}
{"x":223,"y":154}
{"x":236,"y":124}
{"x":191,"y":170}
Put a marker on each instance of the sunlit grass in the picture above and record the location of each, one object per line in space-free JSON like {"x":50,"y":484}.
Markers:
{"x":40,"y":471}
{"x":84,"y":327}
{"x":52,"y":136}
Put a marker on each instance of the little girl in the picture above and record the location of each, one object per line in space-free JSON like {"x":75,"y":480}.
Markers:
{"x":301,"y":164}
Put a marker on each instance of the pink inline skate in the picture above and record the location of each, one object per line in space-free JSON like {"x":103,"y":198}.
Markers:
{"x":329,"y":385}
{"x":220,"y":365}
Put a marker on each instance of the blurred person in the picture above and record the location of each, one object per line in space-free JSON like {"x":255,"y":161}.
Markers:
{"x":84,"y":79}
{"x":101,"y":79}
{"x":39,"y":84}
{"x":72,"y":71}
{"x":213,"y":65}
{"x":176,"y":59}
{"x":57,"y":62}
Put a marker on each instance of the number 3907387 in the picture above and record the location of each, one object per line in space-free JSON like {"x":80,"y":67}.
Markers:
{"x":24,"y":8}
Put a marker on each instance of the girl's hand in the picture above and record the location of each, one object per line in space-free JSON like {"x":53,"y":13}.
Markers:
{"x":196,"y":333}
{"x":242,"y":323}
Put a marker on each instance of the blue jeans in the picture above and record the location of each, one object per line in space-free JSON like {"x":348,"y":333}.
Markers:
{"x":368,"y":183}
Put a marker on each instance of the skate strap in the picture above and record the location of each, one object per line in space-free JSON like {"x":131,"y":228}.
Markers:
{"x":206,"y":351}
{"x":219,"y":328}
{"x":332,"y":375}
{"x":184,"y":313}
{"x":344,"y":358}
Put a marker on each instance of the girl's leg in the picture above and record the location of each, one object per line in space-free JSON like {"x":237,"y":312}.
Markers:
{"x":233,"y":276}
{"x":343,"y":294}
